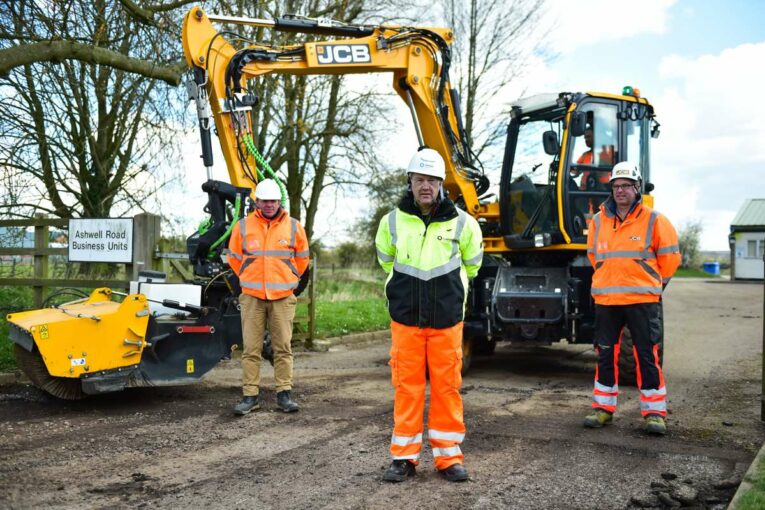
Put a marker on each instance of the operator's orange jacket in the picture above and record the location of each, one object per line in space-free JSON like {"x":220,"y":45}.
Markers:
{"x":633,"y":259}
{"x":268,"y":255}
{"x":587,"y":159}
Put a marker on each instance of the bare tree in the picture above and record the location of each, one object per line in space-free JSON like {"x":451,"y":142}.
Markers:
{"x":83,"y":138}
{"x":314,"y":130}
{"x":689,"y":237}
{"x":493,"y":42}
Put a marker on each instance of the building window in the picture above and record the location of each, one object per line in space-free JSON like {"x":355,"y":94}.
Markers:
{"x":755,"y":248}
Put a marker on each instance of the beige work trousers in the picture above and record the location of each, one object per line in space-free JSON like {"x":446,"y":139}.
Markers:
{"x":278,"y":315}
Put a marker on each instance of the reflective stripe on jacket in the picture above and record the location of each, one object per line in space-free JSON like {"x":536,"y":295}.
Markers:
{"x":429,"y":265}
{"x":634,"y":258}
{"x":268,"y":255}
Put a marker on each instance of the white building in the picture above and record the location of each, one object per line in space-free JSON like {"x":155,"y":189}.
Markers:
{"x":747,"y":241}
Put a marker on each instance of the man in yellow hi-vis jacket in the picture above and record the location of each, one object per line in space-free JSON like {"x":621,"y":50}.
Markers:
{"x":429,"y":249}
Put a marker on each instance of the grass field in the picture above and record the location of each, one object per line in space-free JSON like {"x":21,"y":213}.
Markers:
{"x":7,"y":362}
{"x":12,"y":299}
{"x":692,"y":272}
{"x":350,"y":301}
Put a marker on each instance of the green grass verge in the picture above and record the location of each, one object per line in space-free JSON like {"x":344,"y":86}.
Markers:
{"x":754,"y":498}
{"x":692,"y":272}
{"x":12,"y":299}
{"x":336,"y":318}
{"x":7,"y":361}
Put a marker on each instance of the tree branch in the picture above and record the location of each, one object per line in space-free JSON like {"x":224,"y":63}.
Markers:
{"x":55,"y":51}
{"x":146,"y":14}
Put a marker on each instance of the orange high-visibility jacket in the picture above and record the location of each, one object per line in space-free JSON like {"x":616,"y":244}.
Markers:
{"x":268,"y":255}
{"x":634,"y":258}
{"x":601,"y":177}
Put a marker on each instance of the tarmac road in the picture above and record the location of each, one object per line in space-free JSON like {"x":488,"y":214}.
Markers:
{"x":526,"y":448}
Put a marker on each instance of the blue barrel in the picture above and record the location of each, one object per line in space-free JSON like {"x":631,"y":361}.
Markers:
{"x":712,"y":268}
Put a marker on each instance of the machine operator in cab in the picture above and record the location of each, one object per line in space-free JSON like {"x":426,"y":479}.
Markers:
{"x":592,"y":180}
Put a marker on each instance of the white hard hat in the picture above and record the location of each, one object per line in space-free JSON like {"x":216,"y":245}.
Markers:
{"x":427,"y":162}
{"x":268,"y":189}
{"x":625,"y":170}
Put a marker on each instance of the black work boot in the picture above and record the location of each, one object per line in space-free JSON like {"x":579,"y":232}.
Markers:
{"x":399,"y":471}
{"x":285,"y":402}
{"x":455,"y":473}
{"x":246,"y":405}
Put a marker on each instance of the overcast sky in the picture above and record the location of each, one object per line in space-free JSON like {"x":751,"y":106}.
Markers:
{"x":701,"y":63}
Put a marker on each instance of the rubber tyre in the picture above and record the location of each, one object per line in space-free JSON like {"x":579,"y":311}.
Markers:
{"x":627,"y":367}
{"x":627,"y":370}
{"x":482,"y":346}
{"x":467,"y":353}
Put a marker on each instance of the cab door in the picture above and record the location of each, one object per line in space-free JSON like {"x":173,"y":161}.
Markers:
{"x":616,"y":131}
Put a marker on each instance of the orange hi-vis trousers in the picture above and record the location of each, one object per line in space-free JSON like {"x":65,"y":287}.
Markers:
{"x":441,"y":350}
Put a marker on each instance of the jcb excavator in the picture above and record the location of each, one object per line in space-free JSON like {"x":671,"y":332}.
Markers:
{"x":535,"y":281}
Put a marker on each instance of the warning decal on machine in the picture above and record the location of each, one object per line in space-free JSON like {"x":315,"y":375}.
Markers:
{"x":190,"y":366}
{"x":43,"y":331}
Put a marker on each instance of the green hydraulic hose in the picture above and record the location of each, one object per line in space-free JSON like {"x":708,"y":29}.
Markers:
{"x":237,"y":206}
{"x":262,"y":163}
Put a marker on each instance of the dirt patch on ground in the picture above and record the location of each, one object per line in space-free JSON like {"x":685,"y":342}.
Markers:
{"x":526,"y":448}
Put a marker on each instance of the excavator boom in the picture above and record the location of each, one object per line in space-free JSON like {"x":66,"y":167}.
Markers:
{"x":418,"y":58}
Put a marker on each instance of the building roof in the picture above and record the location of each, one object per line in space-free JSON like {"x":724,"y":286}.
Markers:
{"x":751,"y":214}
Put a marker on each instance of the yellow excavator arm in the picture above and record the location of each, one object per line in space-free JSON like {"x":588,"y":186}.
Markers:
{"x":419,"y":59}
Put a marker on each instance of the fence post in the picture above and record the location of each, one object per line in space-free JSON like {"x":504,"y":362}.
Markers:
{"x":762,"y":395}
{"x":732,"y":244}
{"x":312,"y":306}
{"x":146,"y":231}
{"x":40,"y":262}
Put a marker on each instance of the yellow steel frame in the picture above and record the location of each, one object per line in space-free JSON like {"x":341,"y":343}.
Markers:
{"x":88,"y":336}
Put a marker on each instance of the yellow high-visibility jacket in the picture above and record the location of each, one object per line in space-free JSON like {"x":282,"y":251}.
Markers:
{"x":428,"y":261}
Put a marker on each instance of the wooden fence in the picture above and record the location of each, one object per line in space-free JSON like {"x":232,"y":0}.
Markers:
{"x":146,"y":236}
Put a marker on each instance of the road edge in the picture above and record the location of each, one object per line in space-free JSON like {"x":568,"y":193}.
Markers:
{"x":15,"y":377}
{"x":354,"y":338}
{"x":751,"y":474}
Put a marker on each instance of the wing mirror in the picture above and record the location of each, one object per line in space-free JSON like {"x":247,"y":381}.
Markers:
{"x":578,"y":123}
{"x":550,"y":143}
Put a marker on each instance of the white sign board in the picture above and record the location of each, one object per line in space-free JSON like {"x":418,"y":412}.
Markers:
{"x":101,"y":240}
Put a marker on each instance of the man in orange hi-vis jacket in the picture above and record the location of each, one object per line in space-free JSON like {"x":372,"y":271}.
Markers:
{"x":635,"y":252}
{"x":269,"y":253}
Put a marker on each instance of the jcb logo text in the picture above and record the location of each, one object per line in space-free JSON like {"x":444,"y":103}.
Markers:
{"x":343,"y":54}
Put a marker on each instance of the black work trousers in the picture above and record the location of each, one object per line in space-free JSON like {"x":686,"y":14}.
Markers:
{"x":644,"y":321}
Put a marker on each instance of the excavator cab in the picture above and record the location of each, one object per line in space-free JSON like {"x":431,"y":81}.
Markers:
{"x":559,"y":153}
